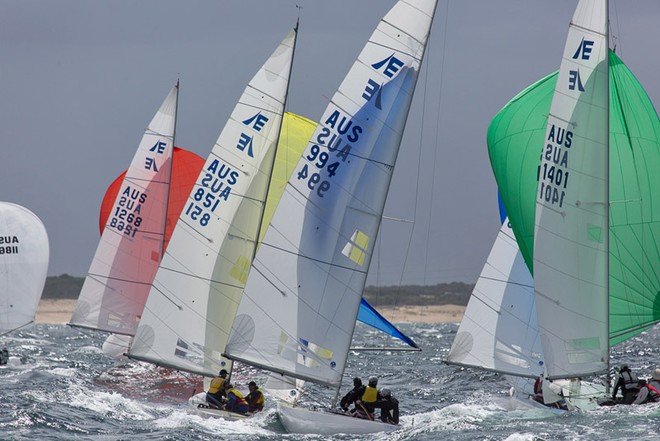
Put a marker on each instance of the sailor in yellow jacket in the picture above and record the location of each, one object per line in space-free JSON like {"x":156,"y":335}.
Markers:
{"x":365,"y":405}
{"x":216,"y":394}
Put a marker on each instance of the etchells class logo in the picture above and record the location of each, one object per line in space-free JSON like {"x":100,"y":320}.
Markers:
{"x":150,"y":162}
{"x":583,"y":52}
{"x":256,"y":122}
{"x":389,"y":67}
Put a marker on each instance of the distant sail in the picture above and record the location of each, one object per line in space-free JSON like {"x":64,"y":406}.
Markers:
{"x":24,"y":254}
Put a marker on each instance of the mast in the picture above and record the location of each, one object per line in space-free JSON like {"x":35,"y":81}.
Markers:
{"x":607,"y":218}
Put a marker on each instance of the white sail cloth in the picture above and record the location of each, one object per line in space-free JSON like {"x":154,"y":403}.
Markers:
{"x":131,"y":245}
{"x":299,"y":307}
{"x":196,"y":290}
{"x":571,"y":231}
{"x":24,"y":255}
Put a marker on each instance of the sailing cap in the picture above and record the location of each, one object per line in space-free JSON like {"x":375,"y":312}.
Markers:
{"x":385,"y":392}
{"x":656,"y":374}
{"x":373,"y":381}
{"x":223,"y":371}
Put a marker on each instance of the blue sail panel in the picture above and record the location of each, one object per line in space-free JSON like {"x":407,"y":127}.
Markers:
{"x":370,"y":317}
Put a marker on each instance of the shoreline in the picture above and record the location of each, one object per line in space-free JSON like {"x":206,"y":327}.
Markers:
{"x":59,"y":311}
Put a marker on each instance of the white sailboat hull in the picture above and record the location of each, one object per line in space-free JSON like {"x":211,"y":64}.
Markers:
{"x":580,"y":395}
{"x":324,"y":422}
{"x":197,"y":405}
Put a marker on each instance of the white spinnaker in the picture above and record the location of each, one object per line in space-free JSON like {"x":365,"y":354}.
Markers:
{"x":131,"y":245}
{"x":299,"y":307}
{"x":571,"y":225}
{"x":24,"y":254}
{"x":499,"y":330}
{"x":196,"y":291}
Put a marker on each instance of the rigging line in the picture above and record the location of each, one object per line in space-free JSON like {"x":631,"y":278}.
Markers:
{"x":419,"y":160}
{"x":16,"y":329}
{"x":437,"y":136}
{"x":615,"y":36}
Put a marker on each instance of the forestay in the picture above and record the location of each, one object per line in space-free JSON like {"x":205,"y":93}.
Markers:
{"x":197,"y":288}
{"x":127,"y":257}
{"x":571,"y":227}
{"x":301,"y":301}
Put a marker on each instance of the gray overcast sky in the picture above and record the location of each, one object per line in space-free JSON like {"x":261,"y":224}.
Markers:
{"x":80,"y":80}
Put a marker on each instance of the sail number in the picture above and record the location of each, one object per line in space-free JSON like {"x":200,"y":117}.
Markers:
{"x":9,"y":250}
{"x":208,"y":200}
{"x":125,"y":218}
{"x":553,"y":184}
{"x":318,"y":159}
{"x":125,"y":222}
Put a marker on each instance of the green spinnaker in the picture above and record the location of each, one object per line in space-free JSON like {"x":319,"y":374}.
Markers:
{"x":515,"y":141}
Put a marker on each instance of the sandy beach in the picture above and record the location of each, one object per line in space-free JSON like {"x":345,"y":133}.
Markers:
{"x":60,"y":310}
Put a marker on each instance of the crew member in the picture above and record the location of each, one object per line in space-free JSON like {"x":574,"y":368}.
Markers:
{"x":235,"y":400}
{"x":255,"y":398}
{"x":627,"y":382}
{"x":352,"y":395}
{"x":216,"y":394}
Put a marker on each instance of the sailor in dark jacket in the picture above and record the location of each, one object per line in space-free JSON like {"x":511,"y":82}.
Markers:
{"x":627,"y":382}
{"x":353,"y":394}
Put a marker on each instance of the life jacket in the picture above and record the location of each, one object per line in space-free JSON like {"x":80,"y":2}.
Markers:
{"x":216,"y":385}
{"x":240,"y":399}
{"x":654,"y":394}
{"x":370,"y":395}
{"x":259,"y":403}
{"x":630,"y":382}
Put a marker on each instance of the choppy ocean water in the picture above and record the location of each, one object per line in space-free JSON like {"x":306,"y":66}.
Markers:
{"x":60,"y":386}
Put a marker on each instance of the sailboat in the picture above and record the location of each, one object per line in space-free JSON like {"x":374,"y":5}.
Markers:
{"x":194,"y":295}
{"x":24,"y":254}
{"x":587,"y":231}
{"x":299,"y":307}
{"x":131,"y":246}
{"x":499,"y":331}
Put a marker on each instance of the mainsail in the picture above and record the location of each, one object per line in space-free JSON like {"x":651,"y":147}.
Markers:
{"x":131,"y":245}
{"x":24,"y":254}
{"x":196,"y":290}
{"x":300,"y":304}
{"x":572,"y":205}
